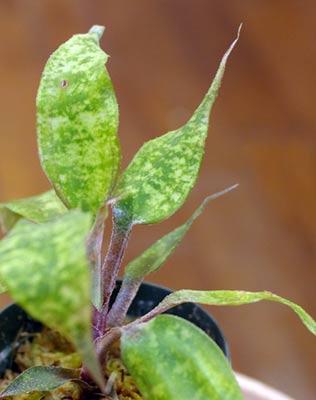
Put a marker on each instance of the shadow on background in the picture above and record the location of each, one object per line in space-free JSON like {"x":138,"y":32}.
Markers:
{"x":262,"y":135}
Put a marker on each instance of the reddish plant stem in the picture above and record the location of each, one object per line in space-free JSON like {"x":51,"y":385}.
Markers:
{"x":102,"y":346}
{"x":122,"y":302}
{"x":119,"y":239}
{"x":85,"y":376}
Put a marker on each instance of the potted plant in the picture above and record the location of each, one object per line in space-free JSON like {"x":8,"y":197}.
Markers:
{"x":50,"y":259}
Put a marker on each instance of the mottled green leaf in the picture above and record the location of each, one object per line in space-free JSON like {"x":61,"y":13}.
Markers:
{"x":150,"y":261}
{"x":45,"y":268}
{"x":40,"y":208}
{"x":77,"y":120}
{"x":40,"y":379}
{"x":229,"y":298}
{"x":163,"y":172}
{"x":3,"y":288}
{"x":170,"y":358}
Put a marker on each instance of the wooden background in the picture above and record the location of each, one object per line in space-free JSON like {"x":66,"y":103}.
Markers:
{"x":262,"y":135}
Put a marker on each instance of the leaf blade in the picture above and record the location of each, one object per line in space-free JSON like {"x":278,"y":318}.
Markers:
{"x":160,"y":358}
{"x":45,"y":268}
{"x":229,"y":298}
{"x":77,"y":121}
{"x":3,"y":288}
{"x":163,"y":172}
{"x":39,"y":379}
{"x":39,"y":208}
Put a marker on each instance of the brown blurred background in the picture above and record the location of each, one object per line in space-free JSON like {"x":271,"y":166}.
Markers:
{"x":262,"y":135}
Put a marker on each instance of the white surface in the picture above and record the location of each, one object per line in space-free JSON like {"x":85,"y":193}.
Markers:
{"x":255,"y":390}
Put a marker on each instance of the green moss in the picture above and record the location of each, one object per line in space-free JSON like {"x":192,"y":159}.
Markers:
{"x":49,"y":348}
{"x":124,"y":384}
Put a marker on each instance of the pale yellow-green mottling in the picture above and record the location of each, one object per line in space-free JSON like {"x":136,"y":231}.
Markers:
{"x":170,"y":358}
{"x":45,"y":268}
{"x":165,"y":169}
{"x":40,"y":208}
{"x":234,"y":298}
{"x":77,"y":122}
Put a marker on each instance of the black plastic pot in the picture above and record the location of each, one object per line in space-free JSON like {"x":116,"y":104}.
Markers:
{"x":13,"y":321}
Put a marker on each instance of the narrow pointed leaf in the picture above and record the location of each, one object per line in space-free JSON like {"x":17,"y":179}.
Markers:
{"x":150,"y":261}
{"x":229,"y":298}
{"x":77,"y":120}
{"x":40,"y":379}
{"x":163,"y":172}
{"x":170,"y":358}
{"x":154,"y":257}
{"x":45,"y":268}
{"x":40,"y":208}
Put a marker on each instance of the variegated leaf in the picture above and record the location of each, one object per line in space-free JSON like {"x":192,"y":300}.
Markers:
{"x":40,"y":379}
{"x":228,"y":298}
{"x":77,"y":120}
{"x":3,"y":287}
{"x":45,"y":268}
{"x":40,"y":208}
{"x":170,"y":358}
{"x":163,"y":172}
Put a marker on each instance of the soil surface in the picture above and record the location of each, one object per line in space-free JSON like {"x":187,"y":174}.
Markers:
{"x":49,"y":348}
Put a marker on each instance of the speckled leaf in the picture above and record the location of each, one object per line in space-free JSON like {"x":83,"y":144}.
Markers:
{"x":170,"y":358}
{"x":230,"y":298}
{"x":77,"y":120}
{"x":163,"y":172}
{"x":40,"y":208}
{"x":40,"y":379}
{"x":3,"y":288}
{"x":45,"y":268}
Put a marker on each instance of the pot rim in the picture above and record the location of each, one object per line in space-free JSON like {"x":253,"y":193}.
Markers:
{"x":256,"y":390}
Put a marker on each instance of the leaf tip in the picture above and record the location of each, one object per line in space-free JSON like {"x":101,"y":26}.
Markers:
{"x":211,"y":94}
{"x":97,"y":31}
{"x":219,"y":194}
{"x":239,"y":30}
{"x":231,"y":47}
{"x":232,"y":187}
